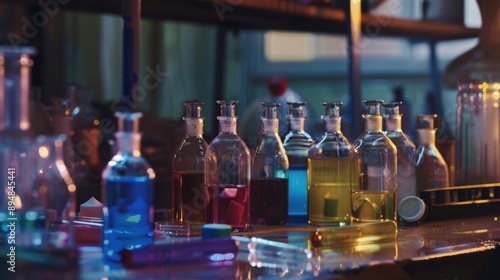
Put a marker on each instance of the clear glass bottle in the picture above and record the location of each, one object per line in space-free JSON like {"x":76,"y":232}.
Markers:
{"x":189,"y":196}
{"x":297,"y":143}
{"x":430,"y":167}
{"x":406,"y":149}
{"x":374,"y":171}
{"x":127,"y":192}
{"x":328,"y":179}
{"x":87,"y":133}
{"x":227,"y":173}
{"x":54,"y":190}
{"x":17,"y":144}
{"x":269,"y":178}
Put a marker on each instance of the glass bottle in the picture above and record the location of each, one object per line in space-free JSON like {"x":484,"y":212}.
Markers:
{"x":297,"y":143}
{"x":17,"y":144}
{"x":127,"y":192}
{"x":54,"y":190}
{"x":405,"y":148}
{"x":374,"y":171}
{"x":329,"y":202}
{"x":430,"y":167}
{"x":188,"y":164}
{"x":269,"y":181}
{"x":227,"y":170}
{"x":87,"y":133}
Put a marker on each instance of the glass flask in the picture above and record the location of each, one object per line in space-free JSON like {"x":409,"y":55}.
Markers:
{"x":127,"y":192}
{"x":297,"y":143}
{"x":227,"y":173}
{"x":329,"y":201}
{"x":477,"y":134}
{"x":53,"y":191}
{"x":17,"y":144}
{"x":430,"y":167}
{"x":406,"y":149}
{"x":374,"y":171}
{"x":87,"y":133}
{"x":269,"y":181}
{"x":189,"y":196}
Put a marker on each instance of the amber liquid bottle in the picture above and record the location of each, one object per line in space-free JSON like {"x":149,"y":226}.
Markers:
{"x":189,"y":196}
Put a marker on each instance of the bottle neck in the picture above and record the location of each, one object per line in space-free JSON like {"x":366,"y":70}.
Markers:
{"x":296,"y":124}
{"x":227,"y":124}
{"x":15,"y":82}
{"x":427,"y":136}
{"x":332,"y":124}
{"x":194,"y":126}
{"x":129,"y":143}
{"x":490,"y":27}
{"x":373,"y":122}
{"x":269,"y":125}
{"x":393,"y":122}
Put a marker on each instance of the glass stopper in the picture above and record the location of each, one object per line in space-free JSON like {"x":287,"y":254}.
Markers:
{"x":392,"y":108}
{"x":128,"y":121}
{"x":270,"y":110}
{"x":227,"y":107}
{"x":193,"y":109}
{"x":296,"y":109}
{"x":373,"y":106}
{"x":332,"y":109}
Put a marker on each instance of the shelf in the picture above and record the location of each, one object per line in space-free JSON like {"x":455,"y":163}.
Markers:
{"x":273,"y":14}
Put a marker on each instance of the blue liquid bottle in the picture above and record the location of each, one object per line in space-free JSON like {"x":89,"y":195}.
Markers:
{"x":127,"y":193}
{"x":297,"y":143}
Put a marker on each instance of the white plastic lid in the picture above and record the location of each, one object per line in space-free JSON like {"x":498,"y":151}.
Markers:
{"x":411,"y":209}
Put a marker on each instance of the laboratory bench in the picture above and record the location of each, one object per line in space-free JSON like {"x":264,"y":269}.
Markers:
{"x":447,"y":249}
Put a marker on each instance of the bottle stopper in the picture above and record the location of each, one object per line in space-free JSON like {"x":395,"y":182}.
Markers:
{"x":426,"y":121}
{"x":128,"y":121}
{"x":210,"y":231}
{"x":193,"y":109}
{"x":332,"y":109}
{"x":270,"y":110}
{"x":296,"y":109}
{"x":392,"y":108}
{"x":227,"y":107}
{"x":373,"y":106}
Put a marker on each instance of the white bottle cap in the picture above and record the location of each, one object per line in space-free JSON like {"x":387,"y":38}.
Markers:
{"x":411,"y":209}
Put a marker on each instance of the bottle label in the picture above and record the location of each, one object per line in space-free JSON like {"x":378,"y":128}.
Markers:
{"x":296,"y":124}
{"x":194,"y":126}
{"x":269,"y":125}
{"x":227,"y":125}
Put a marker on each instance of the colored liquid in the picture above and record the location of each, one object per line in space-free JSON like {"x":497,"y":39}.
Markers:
{"x":269,"y":198}
{"x":190,"y":198}
{"x":329,"y":193}
{"x":228,"y":204}
{"x":371,"y":206}
{"x":128,"y":219}
{"x":297,"y":193}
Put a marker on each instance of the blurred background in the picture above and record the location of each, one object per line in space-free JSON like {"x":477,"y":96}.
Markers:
{"x":178,"y":62}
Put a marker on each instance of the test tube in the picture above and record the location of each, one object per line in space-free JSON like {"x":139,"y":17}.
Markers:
{"x":384,"y":231}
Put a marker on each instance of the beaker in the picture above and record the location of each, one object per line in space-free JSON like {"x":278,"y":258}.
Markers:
{"x":478,"y":133}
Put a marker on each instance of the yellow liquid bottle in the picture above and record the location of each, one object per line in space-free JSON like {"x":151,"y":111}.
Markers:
{"x":329,"y":174}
